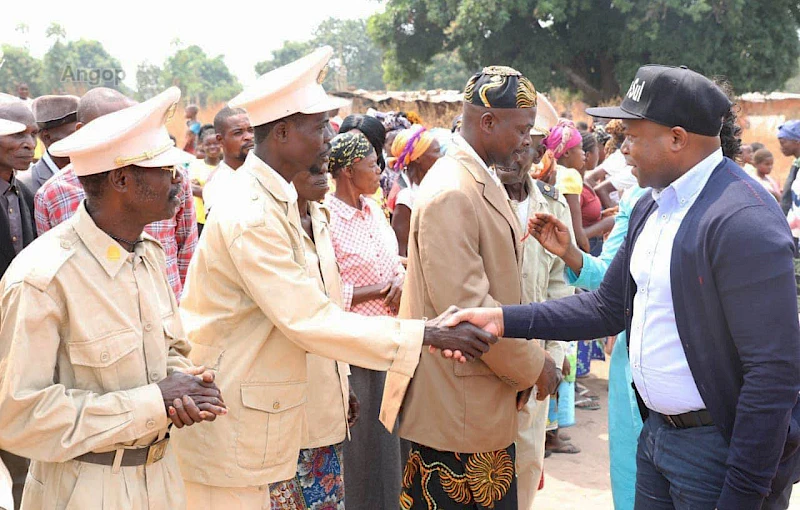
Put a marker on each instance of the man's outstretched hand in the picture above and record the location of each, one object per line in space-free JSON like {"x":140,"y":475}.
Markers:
{"x":488,"y":319}
{"x":463,"y":342}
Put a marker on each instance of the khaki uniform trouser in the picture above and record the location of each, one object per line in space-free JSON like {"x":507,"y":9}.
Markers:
{"x":206,"y":497}
{"x":530,"y":450}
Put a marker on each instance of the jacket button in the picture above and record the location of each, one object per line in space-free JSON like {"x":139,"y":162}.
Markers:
{"x":148,"y":327}
{"x":65,"y":245}
{"x":153,"y":376}
{"x":104,"y":357}
{"x":276,"y":405}
{"x":150,"y":424}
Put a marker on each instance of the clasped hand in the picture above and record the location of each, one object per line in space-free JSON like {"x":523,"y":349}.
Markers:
{"x":191,"y":396}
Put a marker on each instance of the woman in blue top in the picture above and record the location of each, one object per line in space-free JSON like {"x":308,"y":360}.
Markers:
{"x":624,"y":421}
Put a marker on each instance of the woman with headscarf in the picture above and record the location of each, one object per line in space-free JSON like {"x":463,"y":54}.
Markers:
{"x":373,"y":130}
{"x":566,"y":145}
{"x":372,"y":280}
{"x":414,"y":152}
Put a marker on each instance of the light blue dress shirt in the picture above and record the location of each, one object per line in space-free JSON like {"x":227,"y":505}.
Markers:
{"x":658,"y":362}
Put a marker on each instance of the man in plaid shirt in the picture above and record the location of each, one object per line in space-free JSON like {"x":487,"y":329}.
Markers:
{"x":59,"y":198}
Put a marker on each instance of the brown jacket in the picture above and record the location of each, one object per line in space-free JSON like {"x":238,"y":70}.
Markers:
{"x":464,"y":250}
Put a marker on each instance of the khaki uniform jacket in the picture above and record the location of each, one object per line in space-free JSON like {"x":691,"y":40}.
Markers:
{"x":88,"y":329}
{"x":251,"y":311}
{"x":328,"y":387}
{"x":464,"y":250}
{"x":542,"y":280}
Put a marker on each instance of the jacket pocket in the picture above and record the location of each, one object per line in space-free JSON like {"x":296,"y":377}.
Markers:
{"x":270,"y":427}
{"x":471,"y":368}
{"x":110,"y":363}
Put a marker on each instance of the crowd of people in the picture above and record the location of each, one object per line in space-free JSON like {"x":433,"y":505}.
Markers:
{"x":280,"y":274}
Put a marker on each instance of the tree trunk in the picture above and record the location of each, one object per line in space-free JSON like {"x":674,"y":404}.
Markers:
{"x":590,"y":93}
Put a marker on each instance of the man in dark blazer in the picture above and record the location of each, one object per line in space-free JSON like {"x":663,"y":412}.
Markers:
{"x":17,"y":228}
{"x":704,"y":286}
{"x":56,"y":118}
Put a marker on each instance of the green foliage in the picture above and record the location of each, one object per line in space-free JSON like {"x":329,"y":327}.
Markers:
{"x":19,"y":66}
{"x":356,"y":61}
{"x":80,"y":65}
{"x":594,"y":46}
{"x":203,"y":80}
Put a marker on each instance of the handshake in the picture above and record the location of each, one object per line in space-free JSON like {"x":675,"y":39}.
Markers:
{"x":191,"y":396}
{"x":465,"y":335}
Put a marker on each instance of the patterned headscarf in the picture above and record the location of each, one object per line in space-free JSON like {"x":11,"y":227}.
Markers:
{"x":500,"y":87}
{"x":409,"y":145}
{"x":348,"y":149}
{"x":562,"y":138}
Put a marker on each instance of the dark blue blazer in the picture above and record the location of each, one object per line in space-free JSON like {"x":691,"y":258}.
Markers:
{"x":734,"y":293}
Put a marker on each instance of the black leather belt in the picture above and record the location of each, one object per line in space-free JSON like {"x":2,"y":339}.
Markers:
{"x":130,"y":456}
{"x":689,"y":420}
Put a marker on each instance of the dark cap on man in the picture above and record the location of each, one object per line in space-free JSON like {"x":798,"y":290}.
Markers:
{"x":673,"y":97}
{"x":500,"y":87}
{"x":53,"y":111}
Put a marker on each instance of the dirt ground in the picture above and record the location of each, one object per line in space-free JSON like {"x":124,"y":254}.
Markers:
{"x":581,"y":481}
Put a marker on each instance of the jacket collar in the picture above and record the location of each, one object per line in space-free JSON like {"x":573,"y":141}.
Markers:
{"x":108,"y":253}
{"x":270,"y":179}
{"x":493,"y":193}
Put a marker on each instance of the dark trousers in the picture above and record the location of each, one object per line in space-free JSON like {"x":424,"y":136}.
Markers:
{"x":684,"y":469}
{"x":18,"y":468}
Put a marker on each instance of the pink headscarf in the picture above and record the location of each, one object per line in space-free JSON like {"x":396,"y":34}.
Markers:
{"x":563,"y":137}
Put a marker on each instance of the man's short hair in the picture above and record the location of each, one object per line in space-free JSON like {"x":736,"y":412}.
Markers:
{"x":223,"y":115}
{"x":94,"y":185}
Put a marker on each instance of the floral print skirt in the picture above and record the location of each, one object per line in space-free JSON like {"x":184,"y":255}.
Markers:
{"x":458,"y":481}
{"x":318,"y":484}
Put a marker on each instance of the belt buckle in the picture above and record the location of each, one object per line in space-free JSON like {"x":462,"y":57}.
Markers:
{"x":156,"y":451}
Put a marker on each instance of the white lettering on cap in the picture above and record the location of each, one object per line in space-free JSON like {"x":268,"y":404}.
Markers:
{"x":636,"y":89}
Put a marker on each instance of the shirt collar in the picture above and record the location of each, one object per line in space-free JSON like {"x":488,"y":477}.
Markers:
{"x":343,"y":210}
{"x":48,"y":160}
{"x":466,"y":147}
{"x":262,"y":170}
{"x":108,"y":253}
{"x":7,"y":186}
{"x":686,"y":188}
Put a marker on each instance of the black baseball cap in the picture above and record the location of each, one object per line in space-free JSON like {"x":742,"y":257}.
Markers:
{"x":671,"y":96}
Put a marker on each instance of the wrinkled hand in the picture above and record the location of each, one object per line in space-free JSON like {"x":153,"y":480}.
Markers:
{"x":463,"y":342}
{"x":549,"y":379}
{"x":551,"y":233}
{"x":353,"y":409}
{"x":394,"y":291}
{"x":523,"y":397}
{"x":191,"y":397}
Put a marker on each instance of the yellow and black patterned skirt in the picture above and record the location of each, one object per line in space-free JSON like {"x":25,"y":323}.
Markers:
{"x":434,"y":480}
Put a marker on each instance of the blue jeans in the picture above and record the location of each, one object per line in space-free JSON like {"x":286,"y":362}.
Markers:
{"x":684,"y":469}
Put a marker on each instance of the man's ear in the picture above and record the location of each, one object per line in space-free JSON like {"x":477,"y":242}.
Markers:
{"x":120,"y":178}
{"x":680,"y":138}
{"x":281,"y":131}
{"x":488,"y":122}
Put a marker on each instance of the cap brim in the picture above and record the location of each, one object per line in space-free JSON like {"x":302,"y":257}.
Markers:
{"x":172,"y":157}
{"x":9,"y":127}
{"x":328,"y":104}
{"x":611,"y":112}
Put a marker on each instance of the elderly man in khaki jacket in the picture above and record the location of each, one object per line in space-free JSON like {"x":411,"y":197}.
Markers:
{"x":252,"y":312}
{"x":542,"y":279}
{"x":464,"y":249}
{"x":91,"y":342}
